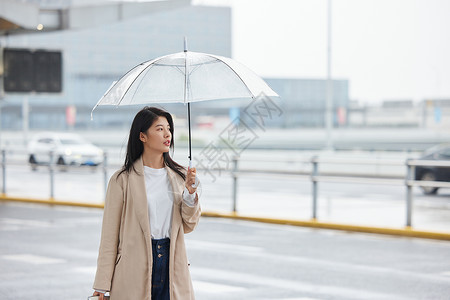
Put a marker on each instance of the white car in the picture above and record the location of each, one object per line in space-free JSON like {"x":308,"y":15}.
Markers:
{"x":67,"y":148}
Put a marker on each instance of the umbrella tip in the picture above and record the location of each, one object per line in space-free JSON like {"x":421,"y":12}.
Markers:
{"x":185,"y":44}
{"x":92,"y":113}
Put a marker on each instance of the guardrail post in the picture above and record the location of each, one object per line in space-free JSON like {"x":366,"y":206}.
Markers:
{"x":234,"y":174}
{"x":52,"y":179}
{"x":409,"y":192}
{"x":105,"y":171}
{"x":314,"y":173}
{"x":4,"y":172}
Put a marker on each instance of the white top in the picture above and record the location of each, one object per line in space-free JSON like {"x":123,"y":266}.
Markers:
{"x":160,"y":201}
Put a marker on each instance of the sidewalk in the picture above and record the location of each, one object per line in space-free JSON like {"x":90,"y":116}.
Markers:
{"x":282,"y":198}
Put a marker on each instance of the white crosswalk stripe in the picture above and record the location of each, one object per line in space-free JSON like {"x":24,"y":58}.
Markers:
{"x":33,"y":259}
{"x":213,"y":288}
{"x":446,"y":273}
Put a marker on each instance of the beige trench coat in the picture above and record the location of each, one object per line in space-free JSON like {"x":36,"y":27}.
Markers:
{"x":124,"y":265}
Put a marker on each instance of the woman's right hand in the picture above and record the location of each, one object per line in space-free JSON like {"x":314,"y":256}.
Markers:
{"x":101,"y":296}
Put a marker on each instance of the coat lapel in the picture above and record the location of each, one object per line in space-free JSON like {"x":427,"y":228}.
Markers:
{"x":177,"y":185}
{"x":139,"y":195}
{"x":177,"y":188}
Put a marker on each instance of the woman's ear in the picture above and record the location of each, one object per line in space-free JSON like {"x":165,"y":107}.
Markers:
{"x":142,"y":137}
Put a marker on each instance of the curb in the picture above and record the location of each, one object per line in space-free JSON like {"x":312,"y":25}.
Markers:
{"x":50,"y":201}
{"x":406,"y":232}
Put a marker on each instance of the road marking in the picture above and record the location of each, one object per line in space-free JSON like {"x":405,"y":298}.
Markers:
{"x":381,"y":197}
{"x":34,"y":259}
{"x":303,"y":298}
{"x":199,"y":286}
{"x":23,"y":222}
{"x":86,"y":270}
{"x":226,"y":247}
{"x":81,"y":220}
{"x":10,"y":224}
{"x":215,"y":288}
{"x":286,"y":284}
{"x":256,"y":252}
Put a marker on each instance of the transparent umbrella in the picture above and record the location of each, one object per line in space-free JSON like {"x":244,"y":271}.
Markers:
{"x":185,"y":77}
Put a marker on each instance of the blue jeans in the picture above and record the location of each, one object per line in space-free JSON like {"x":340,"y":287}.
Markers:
{"x":160,"y":270}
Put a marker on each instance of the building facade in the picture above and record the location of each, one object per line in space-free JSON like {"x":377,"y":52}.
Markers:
{"x":95,"y":57}
{"x":303,"y":101}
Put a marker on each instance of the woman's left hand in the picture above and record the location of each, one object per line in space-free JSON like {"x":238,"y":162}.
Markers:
{"x":190,"y":180}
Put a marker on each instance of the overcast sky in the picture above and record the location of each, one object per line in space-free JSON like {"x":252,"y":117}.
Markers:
{"x":387,"y":49}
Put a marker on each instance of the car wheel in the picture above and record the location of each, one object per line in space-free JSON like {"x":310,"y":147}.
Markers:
{"x":428,"y":190}
{"x":61,"y":164}
{"x":33,"y":162}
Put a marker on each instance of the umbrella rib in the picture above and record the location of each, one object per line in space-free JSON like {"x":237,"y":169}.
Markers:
{"x":196,"y":67}
{"x":179,"y":70}
{"x":156,"y":62}
{"x":134,"y":80}
{"x":243,"y":82}
{"x":140,"y":82}
{"x":145,"y":69}
{"x":178,"y":65}
{"x":189,"y":80}
{"x":128,"y":88}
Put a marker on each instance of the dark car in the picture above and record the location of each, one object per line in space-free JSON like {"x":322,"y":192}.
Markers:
{"x":440,"y":152}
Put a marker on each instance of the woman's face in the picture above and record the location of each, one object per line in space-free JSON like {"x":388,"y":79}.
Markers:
{"x":158,"y":136}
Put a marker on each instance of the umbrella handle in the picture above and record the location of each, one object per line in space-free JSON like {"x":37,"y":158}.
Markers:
{"x":197,"y":182}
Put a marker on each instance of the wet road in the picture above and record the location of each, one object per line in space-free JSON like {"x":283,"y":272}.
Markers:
{"x":50,"y":253}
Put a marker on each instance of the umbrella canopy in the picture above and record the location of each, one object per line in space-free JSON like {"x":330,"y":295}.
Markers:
{"x":185,"y":77}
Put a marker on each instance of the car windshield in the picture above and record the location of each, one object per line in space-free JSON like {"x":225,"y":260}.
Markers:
{"x":446,"y":152}
{"x":71,"y":142}
{"x":435,"y":149}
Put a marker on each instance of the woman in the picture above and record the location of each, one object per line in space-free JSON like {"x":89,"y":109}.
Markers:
{"x":150,"y":204}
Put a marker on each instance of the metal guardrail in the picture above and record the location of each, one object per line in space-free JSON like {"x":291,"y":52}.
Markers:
{"x":314,"y":176}
{"x":51,"y":165}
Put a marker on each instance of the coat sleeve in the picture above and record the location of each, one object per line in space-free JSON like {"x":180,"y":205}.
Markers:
{"x":110,"y":234}
{"x":190,"y":215}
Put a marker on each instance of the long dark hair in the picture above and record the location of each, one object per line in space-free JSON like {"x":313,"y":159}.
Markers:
{"x":141,"y":123}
